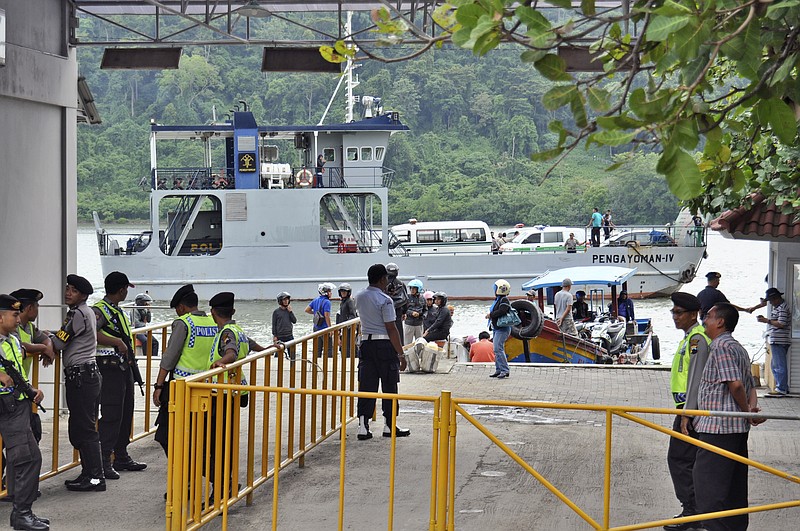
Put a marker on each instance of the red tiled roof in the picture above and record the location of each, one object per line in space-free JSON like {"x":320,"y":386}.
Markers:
{"x":760,"y":221}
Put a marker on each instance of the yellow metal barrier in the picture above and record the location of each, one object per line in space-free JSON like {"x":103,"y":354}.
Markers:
{"x":55,"y":441}
{"x":190,"y":505}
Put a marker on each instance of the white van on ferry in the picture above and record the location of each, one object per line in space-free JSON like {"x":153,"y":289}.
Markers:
{"x":441,"y":237}
{"x":540,"y":238}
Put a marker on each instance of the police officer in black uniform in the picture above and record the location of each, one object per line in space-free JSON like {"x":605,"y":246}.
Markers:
{"x":710,"y":295}
{"x":24,"y":457}
{"x":114,"y":346}
{"x":77,"y":341}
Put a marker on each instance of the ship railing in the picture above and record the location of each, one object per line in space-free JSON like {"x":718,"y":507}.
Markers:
{"x":649,"y":236}
{"x":123,"y":243}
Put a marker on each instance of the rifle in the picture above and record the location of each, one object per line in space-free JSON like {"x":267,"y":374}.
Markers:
{"x":130,"y":359}
{"x":20,"y":383}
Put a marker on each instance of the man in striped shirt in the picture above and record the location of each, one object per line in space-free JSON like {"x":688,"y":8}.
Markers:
{"x":780,"y":339}
{"x":726,"y":385}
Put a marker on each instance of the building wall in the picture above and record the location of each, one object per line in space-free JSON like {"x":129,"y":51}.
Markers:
{"x":38,"y":190}
{"x":785,"y":275}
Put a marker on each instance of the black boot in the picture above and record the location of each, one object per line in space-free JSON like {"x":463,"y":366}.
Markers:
{"x":78,"y":480}
{"x":14,"y":517}
{"x":88,"y":485}
{"x":108,"y":468}
{"x":25,"y":520}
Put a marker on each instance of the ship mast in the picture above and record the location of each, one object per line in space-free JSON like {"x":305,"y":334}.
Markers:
{"x":348,"y":77}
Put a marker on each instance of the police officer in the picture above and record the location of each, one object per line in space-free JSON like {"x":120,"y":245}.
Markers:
{"x":687,"y":370}
{"x":230,"y":344}
{"x":24,"y":457}
{"x":33,"y":340}
{"x":114,"y":349}
{"x":77,"y":341}
{"x":381,"y":352}
{"x":187,"y":353}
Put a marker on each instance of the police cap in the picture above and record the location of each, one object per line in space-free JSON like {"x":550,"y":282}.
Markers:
{"x":117,"y":280}
{"x":27,"y":295}
{"x":687,"y":301}
{"x":712,"y":275}
{"x":181,"y":294}
{"x":80,"y":284}
{"x":9,"y":303}
{"x":222,"y":300}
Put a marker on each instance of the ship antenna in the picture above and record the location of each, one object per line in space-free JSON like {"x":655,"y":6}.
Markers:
{"x":348,"y":77}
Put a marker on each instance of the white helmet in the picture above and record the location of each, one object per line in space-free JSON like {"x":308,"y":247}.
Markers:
{"x":326,"y":287}
{"x":502,"y":287}
{"x":392,"y":269}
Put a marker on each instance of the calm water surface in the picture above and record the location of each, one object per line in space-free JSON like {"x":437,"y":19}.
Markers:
{"x":743,"y":265}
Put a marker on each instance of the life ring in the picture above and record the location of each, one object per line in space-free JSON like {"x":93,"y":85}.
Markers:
{"x":304,"y":178}
{"x":532,"y":320}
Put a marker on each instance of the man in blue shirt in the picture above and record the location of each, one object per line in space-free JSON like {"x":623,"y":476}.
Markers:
{"x":595,"y":223}
{"x":320,"y":308}
{"x":382,"y":357}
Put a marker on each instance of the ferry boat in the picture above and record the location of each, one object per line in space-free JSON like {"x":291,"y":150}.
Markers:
{"x":248,"y":218}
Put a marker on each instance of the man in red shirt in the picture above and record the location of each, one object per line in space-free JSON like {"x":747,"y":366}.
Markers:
{"x":482,"y":350}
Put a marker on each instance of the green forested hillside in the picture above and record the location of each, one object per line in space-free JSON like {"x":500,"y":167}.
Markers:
{"x":474,"y":123}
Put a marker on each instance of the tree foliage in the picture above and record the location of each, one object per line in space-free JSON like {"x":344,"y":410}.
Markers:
{"x":712,"y":86}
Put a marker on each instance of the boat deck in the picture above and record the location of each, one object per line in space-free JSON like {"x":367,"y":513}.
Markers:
{"x":492,"y":491}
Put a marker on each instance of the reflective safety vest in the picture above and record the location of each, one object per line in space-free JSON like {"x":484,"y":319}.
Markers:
{"x":244,"y":348}
{"x":201,"y":333}
{"x":12,"y":351}
{"x":117,"y":322}
{"x":679,"y":376}
{"x":26,"y":336}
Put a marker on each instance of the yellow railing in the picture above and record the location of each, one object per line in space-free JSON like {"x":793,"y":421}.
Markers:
{"x":296,"y":406}
{"x":55,"y":443}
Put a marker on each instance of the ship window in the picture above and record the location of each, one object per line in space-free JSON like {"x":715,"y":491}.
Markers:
{"x":329,"y":154}
{"x":350,"y":223}
{"x":366,"y":153}
{"x":380,"y":151}
{"x":352,"y":153}
{"x":190,"y":225}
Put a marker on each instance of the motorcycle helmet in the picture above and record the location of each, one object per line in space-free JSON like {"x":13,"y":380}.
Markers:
{"x":326,"y":287}
{"x":428,"y":295}
{"x":344,"y":286}
{"x":416,"y":284}
{"x":502,"y":287}
{"x":283,"y":295}
{"x":440,"y":295}
{"x":143,"y":297}
{"x":580,"y":294}
{"x":392,"y":269}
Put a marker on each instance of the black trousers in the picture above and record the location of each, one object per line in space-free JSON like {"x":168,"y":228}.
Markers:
{"x":378,"y":363}
{"x":162,"y":419}
{"x":680,"y":459}
{"x":116,"y":411}
{"x":83,"y":401}
{"x":721,"y":483}
{"x":595,"y":236}
{"x":24,"y":460}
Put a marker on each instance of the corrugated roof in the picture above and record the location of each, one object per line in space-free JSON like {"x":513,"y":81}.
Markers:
{"x":762,"y":220}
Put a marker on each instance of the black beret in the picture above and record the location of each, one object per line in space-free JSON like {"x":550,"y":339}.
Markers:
{"x":116,"y":280}
{"x":180,"y":295}
{"x":80,"y":284}
{"x":222,"y":300}
{"x":9,"y":303}
{"x":27,"y":295}
{"x":713,"y":274}
{"x":687,"y":301}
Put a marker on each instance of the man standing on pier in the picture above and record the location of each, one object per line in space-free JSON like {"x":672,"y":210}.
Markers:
{"x":710,"y":295}
{"x":114,"y":350}
{"x":77,"y":341}
{"x":687,"y":370}
{"x":726,"y":385}
{"x":382,"y":357}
